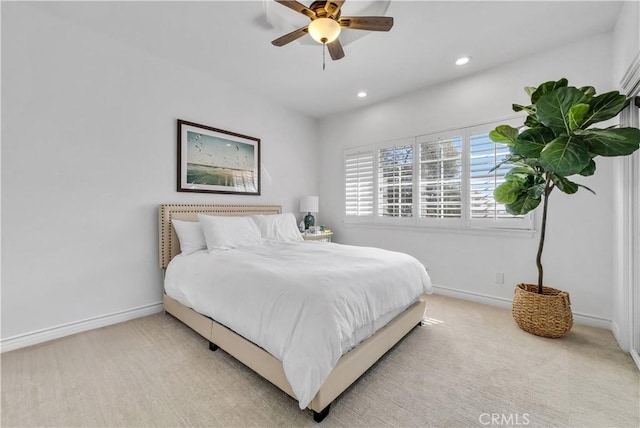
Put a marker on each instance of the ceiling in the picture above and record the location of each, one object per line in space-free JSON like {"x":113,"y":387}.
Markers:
{"x":231,"y":41}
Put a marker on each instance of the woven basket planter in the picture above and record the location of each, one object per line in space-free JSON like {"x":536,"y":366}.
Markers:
{"x":546,"y":315}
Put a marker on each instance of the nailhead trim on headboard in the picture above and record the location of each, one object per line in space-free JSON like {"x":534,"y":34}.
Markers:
{"x":169,"y":245}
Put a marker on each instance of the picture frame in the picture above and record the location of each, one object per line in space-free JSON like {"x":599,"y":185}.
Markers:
{"x":212,"y":160}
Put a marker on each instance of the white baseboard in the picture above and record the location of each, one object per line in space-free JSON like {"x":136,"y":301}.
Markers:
{"x":471,"y":296}
{"x":44,"y":335}
{"x":578,"y":318}
{"x":623,"y":341}
{"x":636,"y":357}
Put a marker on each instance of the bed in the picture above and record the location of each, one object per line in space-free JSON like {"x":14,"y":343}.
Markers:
{"x":347,"y":368}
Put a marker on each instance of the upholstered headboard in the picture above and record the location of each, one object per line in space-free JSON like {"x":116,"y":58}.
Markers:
{"x":169,"y":244}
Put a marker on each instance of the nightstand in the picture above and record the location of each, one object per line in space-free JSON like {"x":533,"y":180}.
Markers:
{"x":320,"y":236}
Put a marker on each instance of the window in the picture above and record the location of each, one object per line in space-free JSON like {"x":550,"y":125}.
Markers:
{"x":484,"y":155}
{"x":358,"y":170}
{"x":395,"y":181}
{"x":442,"y":179}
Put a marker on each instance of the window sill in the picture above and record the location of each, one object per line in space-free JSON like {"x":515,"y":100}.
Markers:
{"x":457,"y":230}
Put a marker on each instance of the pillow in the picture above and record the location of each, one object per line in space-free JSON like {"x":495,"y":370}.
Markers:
{"x":225,"y":233}
{"x":190,"y":236}
{"x":279,"y":227}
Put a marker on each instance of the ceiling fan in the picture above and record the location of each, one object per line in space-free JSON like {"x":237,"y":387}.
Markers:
{"x":326,"y":24}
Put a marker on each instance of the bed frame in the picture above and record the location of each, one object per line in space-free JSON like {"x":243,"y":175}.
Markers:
{"x":348,"y":369}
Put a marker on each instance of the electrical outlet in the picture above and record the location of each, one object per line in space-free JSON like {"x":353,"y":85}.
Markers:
{"x":499,"y":277}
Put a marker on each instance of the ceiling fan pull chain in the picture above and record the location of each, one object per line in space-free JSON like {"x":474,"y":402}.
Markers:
{"x":324,"y":49}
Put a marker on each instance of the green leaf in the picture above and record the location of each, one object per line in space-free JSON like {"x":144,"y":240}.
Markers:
{"x":520,"y":171}
{"x":504,"y":134}
{"x":553,"y":108}
{"x":523,"y":204}
{"x":536,"y":190}
{"x":565,"y":185}
{"x":612,"y":142}
{"x":522,"y":191}
{"x":565,"y":156}
{"x":531,"y":121}
{"x":531,"y":141}
{"x":507,"y":192}
{"x":547,"y":87}
{"x":530,"y":90}
{"x":532,"y":162}
{"x":577,"y":115}
{"x":589,"y":91}
{"x":605,"y":107}
{"x":529,"y":109}
{"x":588,"y":170}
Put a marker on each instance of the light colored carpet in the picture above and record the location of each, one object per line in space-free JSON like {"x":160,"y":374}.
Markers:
{"x":470,"y":364}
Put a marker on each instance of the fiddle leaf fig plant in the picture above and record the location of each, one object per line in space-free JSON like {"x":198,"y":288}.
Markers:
{"x":557,"y":142}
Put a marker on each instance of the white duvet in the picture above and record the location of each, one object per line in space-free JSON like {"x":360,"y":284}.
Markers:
{"x":306,"y":303}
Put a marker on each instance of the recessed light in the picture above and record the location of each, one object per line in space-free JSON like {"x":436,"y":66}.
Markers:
{"x":361,"y":94}
{"x":464,"y":60}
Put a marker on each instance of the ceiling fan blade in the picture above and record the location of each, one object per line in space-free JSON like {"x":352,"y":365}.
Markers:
{"x":335,"y":50}
{"x":288,"y":38}
{"x":371,"y":23}
{"x":298,"y":7}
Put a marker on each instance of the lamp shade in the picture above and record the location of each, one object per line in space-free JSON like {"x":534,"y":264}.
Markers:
{"x":309,"y":204}
{"x":324,"y":30}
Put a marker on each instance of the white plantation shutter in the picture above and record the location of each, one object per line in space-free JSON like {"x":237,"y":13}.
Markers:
{"x":440,"y":177}
{"x":484,"y":155}
{"x":395,"y":181}
{"x":358,"y":172}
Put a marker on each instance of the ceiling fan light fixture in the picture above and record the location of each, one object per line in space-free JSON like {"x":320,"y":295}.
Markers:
{"x":324,"y":30}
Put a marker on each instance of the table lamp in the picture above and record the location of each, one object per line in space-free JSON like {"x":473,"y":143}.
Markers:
{"x":309,"y":204}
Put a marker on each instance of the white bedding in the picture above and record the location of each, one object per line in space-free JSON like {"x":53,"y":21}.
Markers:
{"x":306,"y":303}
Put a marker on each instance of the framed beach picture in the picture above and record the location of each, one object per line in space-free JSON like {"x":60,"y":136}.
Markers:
{"x":212,"y":160}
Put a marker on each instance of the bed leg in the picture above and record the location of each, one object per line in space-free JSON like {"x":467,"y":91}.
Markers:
{"x":319,"y":416}
{"x":423,"y":323}
{"x":213,"y":346}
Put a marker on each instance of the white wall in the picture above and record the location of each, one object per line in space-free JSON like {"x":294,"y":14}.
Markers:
{"x":88,"y":153}
{"x":626,"y":39}
{"x":578,"y":244}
